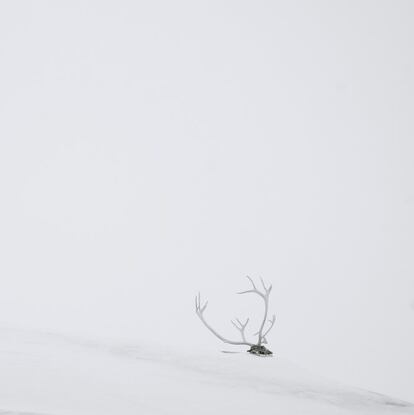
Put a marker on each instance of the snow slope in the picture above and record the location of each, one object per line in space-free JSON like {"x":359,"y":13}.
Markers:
{"x":51,"y":374}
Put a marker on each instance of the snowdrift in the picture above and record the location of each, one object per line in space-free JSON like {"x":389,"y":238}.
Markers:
{"x":51,"y":374}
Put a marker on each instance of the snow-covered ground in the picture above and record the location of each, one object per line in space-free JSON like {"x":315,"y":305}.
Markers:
{"x":53,"y":374}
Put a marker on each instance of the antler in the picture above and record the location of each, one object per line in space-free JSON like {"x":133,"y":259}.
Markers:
{"x":265,"y":296}
{"x":200,"y":310}
{"x":241,"y":327}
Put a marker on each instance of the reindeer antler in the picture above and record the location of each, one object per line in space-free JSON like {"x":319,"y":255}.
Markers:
{"x":238,"y":324}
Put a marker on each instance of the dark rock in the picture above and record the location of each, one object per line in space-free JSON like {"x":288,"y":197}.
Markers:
{"x":260,"y":350}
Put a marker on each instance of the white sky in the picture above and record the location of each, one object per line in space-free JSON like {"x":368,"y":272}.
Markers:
{"x":152,"y":149}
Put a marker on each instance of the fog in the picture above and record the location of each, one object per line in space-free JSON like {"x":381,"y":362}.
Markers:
{"x":151,"y":150}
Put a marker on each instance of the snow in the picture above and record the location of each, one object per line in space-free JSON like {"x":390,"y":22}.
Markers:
{"x":53,"y":374}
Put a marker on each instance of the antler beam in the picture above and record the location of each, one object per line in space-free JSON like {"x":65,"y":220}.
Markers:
{"x":265,"y":296}
{"x":200,"y":310}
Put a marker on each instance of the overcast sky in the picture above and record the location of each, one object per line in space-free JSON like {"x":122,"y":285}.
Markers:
{"x":151,"y":149}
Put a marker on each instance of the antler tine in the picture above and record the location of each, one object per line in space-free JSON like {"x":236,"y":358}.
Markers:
{"x":241,"y":327}
{"x":248,"y":291}
{"x":255,"y":291}
{"x":263,"y":284}
{"x":241,"y":324}
{"x":200,"y":309}
{"x":252,"y":282}
{"x":267,"y":290}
